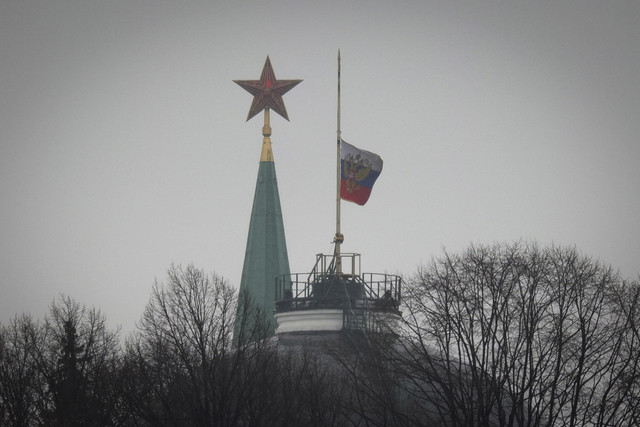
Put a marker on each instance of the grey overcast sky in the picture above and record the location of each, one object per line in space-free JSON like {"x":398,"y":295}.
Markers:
{"x":124,"y":146}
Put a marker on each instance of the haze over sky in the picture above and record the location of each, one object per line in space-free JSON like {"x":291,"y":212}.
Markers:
{"x":124,"y":146}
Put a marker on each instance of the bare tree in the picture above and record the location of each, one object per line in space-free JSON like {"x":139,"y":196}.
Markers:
{"x":617,"y":400}
{"x":518,"y":335}
{"x":59,"y":372}
{"x":79,"y":363}
{"x":19,"y":376}
{"x":185,"y":366}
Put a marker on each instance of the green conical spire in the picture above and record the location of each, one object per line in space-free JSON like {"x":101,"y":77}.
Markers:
{"x":266,"y":253}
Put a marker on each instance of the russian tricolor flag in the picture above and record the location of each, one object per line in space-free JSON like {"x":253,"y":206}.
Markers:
{"x":359,"y":171}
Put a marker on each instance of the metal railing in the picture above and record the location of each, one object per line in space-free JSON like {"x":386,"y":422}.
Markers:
{"x":349,"y":290}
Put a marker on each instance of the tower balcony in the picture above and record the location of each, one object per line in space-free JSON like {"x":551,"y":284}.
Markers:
{"x":336,"y":296}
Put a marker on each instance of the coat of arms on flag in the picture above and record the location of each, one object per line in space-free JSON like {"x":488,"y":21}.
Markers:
{"x":360,"y":169}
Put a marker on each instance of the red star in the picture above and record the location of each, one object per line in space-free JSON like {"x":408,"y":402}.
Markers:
{"x":267,"y":92}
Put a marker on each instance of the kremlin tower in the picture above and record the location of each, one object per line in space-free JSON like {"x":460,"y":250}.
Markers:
{"x":266,"y":252}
